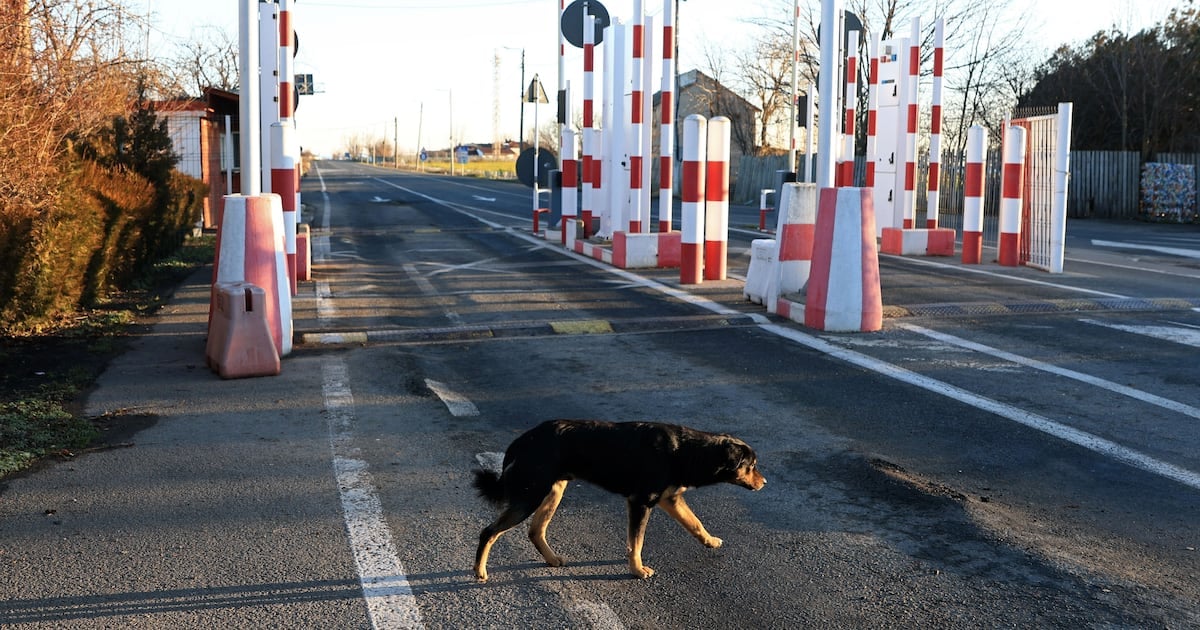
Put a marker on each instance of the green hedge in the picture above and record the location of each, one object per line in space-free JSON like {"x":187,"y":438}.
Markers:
{"x":107,"y":226}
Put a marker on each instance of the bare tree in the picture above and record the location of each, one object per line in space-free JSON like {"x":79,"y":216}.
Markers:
{"x":208,"y":59}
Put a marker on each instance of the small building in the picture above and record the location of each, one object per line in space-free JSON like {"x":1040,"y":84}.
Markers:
{"x":198,"y":128}
{"x":698,"y":93}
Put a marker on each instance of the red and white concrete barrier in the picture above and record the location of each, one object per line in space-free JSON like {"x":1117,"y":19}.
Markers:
{"x":1012,"y":187}
{"x":716,"y":198}
{"x":795,"y":233}
{"x":843,"y":290}
{"x":973,"y":187}
{"x":692,"y":210}
{"x":239,"y":341}
{"x":250,"y":249}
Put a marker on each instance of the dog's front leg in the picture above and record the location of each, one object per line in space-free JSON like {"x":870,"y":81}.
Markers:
{"x":639,"y":515}
{"x":672,"y":503}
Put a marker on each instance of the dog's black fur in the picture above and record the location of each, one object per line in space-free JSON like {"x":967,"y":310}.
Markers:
{"x":647,"y":463}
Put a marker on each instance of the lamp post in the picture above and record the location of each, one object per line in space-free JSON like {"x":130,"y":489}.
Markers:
{"x":521,"y":129}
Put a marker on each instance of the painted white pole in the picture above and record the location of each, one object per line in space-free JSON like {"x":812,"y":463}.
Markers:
{"x":249,"y":119}
{"x":933,"y":201}
{"x":846,"y":177}
{"x":1062,"y":179}
{"x":831,"y":46}
{"x":666,"y":142}
{"x":912,"y":106}
{"x":973,"y":187}
{"x":691,"y":207}
{"x":1009,"y":250}
{"x":795,"y":120}
{"x":810,"y":120}
{"x":268,"y":77}
{"x":635,"y":120}
{"x":589,"y":151}
{"x":872,"y":109}
{"x":716,"y":200}
{"x":647,"y":140}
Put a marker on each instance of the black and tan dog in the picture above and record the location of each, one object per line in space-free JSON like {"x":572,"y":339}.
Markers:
{"x":647,"y":463}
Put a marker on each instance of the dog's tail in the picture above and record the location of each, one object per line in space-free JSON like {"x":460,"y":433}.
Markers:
{"x":489,"y":485}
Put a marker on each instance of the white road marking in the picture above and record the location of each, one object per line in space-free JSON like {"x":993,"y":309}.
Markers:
{"x":1173,"y":251}
{"x":1124,"y":390}
{"x":459,"y":405}
{"x":389,"y":597}
{"x":491,"y":460}
{"x":965,"y":269}
{"x":1186,"y":336}
{"x":596,"y":615}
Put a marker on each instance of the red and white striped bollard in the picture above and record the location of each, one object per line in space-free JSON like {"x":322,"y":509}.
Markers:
{"x":691,"y":220}
{"x":1009,"y":250}
{"x":716,"y":199}
{"x":973,"y":187}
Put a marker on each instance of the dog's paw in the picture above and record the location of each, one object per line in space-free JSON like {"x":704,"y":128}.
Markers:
{"x":713,"y":542}
{"x":556,"y":561}
{"x":481,"y":576}
{"x":642,"y":572}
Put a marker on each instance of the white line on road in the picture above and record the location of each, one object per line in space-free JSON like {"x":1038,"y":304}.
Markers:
{"x":389,"y":597}
{"x":1180,"y":335}
{"x":1137,"y":394}
{"x":459,"y":405}
{"x":1173,"y":251}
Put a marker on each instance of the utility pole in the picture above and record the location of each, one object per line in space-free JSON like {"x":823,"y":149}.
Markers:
{"x":396,"y":142}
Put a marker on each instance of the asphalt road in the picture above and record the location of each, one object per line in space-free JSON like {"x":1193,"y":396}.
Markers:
{"x":1014,"y":449}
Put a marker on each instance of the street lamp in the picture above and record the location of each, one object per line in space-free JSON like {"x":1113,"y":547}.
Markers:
{"x":521,"y":131}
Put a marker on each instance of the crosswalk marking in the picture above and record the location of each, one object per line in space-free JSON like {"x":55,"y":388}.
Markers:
{"x":1178,"y":334}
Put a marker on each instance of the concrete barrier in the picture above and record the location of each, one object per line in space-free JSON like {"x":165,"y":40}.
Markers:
{"x":250,"y":248}
{"x":239,"y":340}
{"x":843,"y":290}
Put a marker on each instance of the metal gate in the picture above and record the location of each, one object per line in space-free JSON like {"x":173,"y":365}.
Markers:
{"x":1046,"y":174}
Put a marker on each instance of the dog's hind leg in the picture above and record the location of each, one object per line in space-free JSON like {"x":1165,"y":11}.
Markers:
{"x":639,"y":515}
{"x":508,"y":519}
{"x":541,"y":520}
{"x":672,"y":503}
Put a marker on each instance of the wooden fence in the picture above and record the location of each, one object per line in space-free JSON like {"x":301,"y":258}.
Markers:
{"x":1103,"y":184}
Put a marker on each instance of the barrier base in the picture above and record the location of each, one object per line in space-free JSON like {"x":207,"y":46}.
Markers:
{"x":917,"y":242}
{"x":239,"y":341}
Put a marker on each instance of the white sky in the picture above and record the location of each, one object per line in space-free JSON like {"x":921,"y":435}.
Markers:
{"x":379,"y":61}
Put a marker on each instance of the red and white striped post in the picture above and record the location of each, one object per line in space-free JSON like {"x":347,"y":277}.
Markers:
{"x":285,"y":168}
{"x":763,"y":208}
{"x":666,"y":143}
{"x":973,"y":187}
{"x":716,"y":199}
{"x":589,"y":87}
{"x":910,"y":142}
{"x":932,"y":203}
{"x":692,"y":193}
{"x":570,"y":167}
{"x":872,"y":109}
{"x":846,"y":168}
{"x":1012,"y":179}
{"x":635,"y":120}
